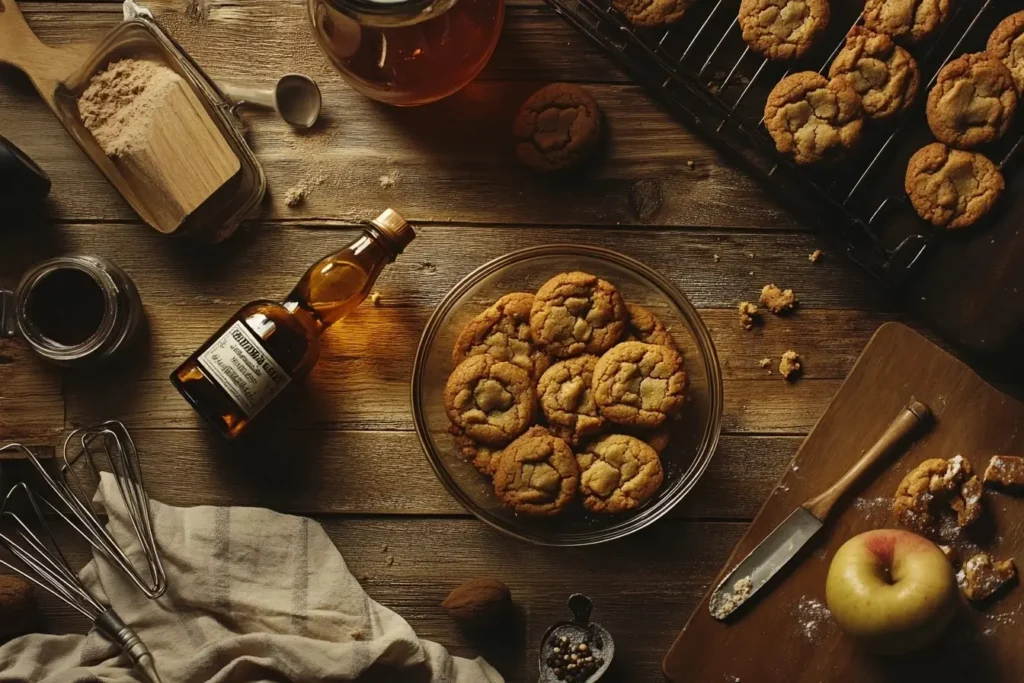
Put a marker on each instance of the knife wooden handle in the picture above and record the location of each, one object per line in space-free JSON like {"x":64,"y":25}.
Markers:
{"x":909,"y":419}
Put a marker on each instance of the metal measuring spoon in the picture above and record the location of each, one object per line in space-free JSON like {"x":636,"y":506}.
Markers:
{"x":296,"y":98}
{"x":600,"y":645}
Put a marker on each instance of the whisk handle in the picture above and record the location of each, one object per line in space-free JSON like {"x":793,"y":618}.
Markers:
{"x":112,"y":626}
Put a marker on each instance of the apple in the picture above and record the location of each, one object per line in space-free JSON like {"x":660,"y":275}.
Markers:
{"x":891,"y":590}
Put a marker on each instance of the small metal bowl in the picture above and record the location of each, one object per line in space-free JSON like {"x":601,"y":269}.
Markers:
{"x":695,"y":435}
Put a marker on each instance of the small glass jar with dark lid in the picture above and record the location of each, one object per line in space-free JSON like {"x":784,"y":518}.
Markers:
{"x":74,"y":310}
{"x":407,"y":52}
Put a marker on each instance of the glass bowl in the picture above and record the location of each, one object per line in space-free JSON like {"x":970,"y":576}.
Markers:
{"x":695,"y":434}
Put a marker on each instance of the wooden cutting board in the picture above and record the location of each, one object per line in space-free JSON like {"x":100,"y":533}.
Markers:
{"x":786,"y":634}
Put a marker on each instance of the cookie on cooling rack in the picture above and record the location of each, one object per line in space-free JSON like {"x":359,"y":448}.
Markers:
{"x":908,"y":20}
{"x":652,"y":13}
{"x":884,"y":74}
{"x":814,"y":119}
{"x":973,"y":101}
{"x":1007,"y":45}
{"x":951,"y":188}
{"x":783,"y":29}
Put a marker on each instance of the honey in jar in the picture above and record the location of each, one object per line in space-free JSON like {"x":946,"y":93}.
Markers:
{"x":407,"y":52}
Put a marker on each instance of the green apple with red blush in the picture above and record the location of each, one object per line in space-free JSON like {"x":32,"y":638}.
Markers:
{"x":891,"y":590}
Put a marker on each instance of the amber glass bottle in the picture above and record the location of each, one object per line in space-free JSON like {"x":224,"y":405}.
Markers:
{"x":267,"y":345}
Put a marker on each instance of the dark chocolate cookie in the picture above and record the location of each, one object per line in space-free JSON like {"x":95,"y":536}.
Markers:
{"x":558,"y":128}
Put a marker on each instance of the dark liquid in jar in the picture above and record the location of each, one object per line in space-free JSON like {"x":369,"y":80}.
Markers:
{"x":66,"y":306}
{"x":414,"y":64}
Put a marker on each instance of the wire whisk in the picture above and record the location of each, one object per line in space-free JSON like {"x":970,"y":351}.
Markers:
{"x":106,"y":446}
{"x":39,"y":559}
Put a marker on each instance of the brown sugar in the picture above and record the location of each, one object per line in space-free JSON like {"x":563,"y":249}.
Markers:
{"x":748,"y":315}
{"x":777,"y":300}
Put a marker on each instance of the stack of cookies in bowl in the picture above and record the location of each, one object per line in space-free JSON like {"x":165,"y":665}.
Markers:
{"x":565,"y":397}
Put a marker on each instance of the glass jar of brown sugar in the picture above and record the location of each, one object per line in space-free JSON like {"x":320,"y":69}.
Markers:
{"x":73,"y":310}
{"x":407,"y":52}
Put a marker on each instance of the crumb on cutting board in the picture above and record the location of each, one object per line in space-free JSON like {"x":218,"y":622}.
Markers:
{"x":748,"y":315}
{"x":790,"y":366}
{"x":778,"y":300}
{"x":815,"y":255}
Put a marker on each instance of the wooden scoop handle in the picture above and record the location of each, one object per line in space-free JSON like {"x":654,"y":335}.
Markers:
{"x":19,"y":47}
{"x":909,"y":419}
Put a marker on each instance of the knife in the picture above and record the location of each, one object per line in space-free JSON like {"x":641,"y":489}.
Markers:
{"x":785,"y":542}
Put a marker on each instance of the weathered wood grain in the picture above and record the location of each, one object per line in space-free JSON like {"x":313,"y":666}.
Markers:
{"x":463,"y":142}
{"x":368,"y":473}
{"x":642,"y":591}
{"x":31,"y":402}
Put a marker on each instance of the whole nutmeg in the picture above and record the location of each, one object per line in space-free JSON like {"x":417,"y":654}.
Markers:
{"x":17,"y":606}
{"x":479,"y":602}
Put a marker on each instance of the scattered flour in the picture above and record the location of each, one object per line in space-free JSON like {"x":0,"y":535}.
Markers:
{"x":814,"y":617}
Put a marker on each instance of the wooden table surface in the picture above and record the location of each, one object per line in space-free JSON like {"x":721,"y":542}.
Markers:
{"x":344,"y":450}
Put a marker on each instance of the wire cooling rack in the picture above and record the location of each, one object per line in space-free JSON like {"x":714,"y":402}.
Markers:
{"x":704,"y":73}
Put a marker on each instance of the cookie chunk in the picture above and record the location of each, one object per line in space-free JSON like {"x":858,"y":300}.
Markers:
{"x":536,"y":474}
{"x":973,"y":101}
{"x":503,"y":331}
{"x":783,"y":29}
{"x":981,"y":577}
{"x":491,"y":401}
{"x":481,"y":456}
{"x":1005,"y":472}
{"x":790,"y":366}
{"x":650,"y":13}
{"x":618,"y":473}
{"x":932,"y":484}
{"x":566,"y":398}
{"x":748,"y":315}
{"x":558,"y":128}
{"x":884,"y":74}
{"x":950,"y":188}
{"x":640,"y":384}
{"x":576,"y":313}
{"x":777,"y":300}
{"x":646,"y":327}
{"x":812,"y":118}
{"x":1007,"y":45}
{"x":908,"y":20}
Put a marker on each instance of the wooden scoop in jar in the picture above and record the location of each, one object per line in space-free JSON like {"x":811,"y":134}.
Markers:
{"x":183,"y":158}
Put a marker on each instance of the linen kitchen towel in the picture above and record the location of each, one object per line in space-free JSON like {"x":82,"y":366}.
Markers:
{"x":253,"y":595}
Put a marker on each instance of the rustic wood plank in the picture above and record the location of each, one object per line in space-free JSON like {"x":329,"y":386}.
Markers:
{"x":367,"y":473}
{"x":31,"y":399}
{"x":462,"y":142}
{"x":642,"y":591}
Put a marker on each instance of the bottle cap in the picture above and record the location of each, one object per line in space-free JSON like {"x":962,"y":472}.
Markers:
{"x":395,"y":228}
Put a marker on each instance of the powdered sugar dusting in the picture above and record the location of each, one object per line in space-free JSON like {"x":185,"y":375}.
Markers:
{"x":814,"y":618}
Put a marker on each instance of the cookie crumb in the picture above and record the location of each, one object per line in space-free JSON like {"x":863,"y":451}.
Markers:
{"x":748,"y":315}
{"x":950,"y":553}
{"x":815,"y":255}
{"x":389,"y":180}
{"x":750,"y":254}
{"x":790,"y":366}
{"x":295,"y":195}
{"x":375,"y":300}
{"x":391,"y":560}
{"x":981,"y":577}
{"x":777,"y":300}
{"x":689,"y":163}
{"x":383,"y":547}
{"x":717,"y":258}
{"x":766,"y":363}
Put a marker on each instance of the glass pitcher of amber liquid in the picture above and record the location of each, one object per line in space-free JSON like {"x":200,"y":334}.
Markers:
{"x":407,"y":52}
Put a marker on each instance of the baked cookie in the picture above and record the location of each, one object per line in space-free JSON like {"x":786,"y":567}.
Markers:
{"x":658,"y":438}
{"x":933,"y":483}
{"x":558,"y":128}
{"x":909,"y":20}
{"x":618,"y":473}
{"x":812,"y":118}
{"x":503,"y":331}
{"x":491,"y":401}
{"x":649,"y":13}
{"x":565,"y":396}
{"x":884,"y":74}
{"x":536,"y":474}
{"x":1007,"y":45}
{"x":481,"y":456}
{"x":646,"y":327}
{"x":783,"y":29}
{"x":950,"y":188}
{"x":973,"y":101}
{"x":576,"y":313}
{"x":639,"y":384}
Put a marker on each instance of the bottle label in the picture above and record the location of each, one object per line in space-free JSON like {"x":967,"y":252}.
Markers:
{"x":237,"y":363}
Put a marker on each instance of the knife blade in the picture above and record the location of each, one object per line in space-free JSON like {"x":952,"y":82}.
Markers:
{"x":783,"y":544}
